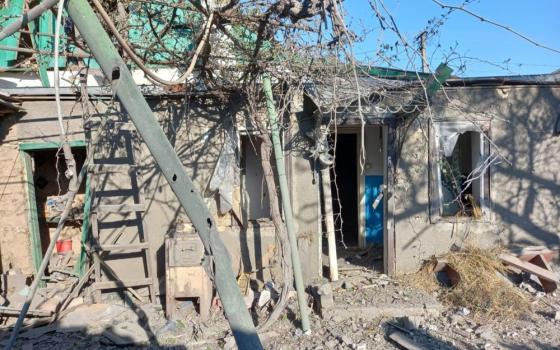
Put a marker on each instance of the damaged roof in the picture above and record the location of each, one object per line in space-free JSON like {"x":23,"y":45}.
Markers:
{"x":9,"y":104}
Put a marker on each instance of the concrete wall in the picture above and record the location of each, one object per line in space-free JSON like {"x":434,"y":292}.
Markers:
{"x":304,"y":186}
{"x":39,"y":126}
{"x":524,"y":190}
{"x":197,"y":132}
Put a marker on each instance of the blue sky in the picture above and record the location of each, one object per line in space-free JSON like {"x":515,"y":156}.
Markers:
{"x":486,"y":46}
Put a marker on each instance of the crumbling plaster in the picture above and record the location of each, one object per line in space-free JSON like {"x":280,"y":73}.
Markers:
{"x":197,"y":137}
{"x":524,"y":190}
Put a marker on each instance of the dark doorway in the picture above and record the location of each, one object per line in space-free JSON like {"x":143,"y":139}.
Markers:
{"x":345,"y":189}
{"x":50,"y":184}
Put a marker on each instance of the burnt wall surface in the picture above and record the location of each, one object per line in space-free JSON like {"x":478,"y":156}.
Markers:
{"x":524,"y":206}
{"x":196,"y":129}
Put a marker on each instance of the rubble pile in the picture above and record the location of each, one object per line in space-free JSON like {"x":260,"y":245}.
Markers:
{"x":362,"y":310}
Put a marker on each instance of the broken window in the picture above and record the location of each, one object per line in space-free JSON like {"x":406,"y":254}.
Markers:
{"x":254,"y":194}
{"x":461,"y":164}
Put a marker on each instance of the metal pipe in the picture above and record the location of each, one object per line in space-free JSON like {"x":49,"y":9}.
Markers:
{"x":26,"y":18}
{"x":171,"y":166}
{"x":286,"y":203}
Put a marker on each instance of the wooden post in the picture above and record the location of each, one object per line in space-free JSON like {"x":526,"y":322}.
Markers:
{"x":329,"y":221}
{"x":422,"y":37}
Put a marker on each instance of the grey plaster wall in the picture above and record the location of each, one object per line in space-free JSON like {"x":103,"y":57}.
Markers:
{"x":197,"y":132}
{"x":524,"y":187}
{"x":304,"y":184}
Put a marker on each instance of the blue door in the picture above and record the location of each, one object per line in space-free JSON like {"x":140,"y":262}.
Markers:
{"x":374,"y":218}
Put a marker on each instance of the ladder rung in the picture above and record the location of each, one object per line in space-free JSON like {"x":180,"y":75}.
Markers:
{"x":113,"y":168}
{"x":131,"y":246}
{"x":119,"y":208}
{"x":122,"y":284}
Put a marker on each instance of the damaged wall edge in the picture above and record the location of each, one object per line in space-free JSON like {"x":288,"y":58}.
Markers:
{"x":136,"y":106}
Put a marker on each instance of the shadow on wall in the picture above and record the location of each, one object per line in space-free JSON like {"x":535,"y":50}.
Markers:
{"x":196,"y":129}
{"x":525,"y":195}
{"x":7,"y":123}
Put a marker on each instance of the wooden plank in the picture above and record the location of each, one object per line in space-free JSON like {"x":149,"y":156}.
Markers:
{"x":9,"y":14}
{"x":113,"y":168}
{"x":119,"y":208}
{"x":32,"y":214}
{"x":531,"y":268}
{"x":540,"y":261}
{"x":10,"y":311}
{"x":329,"y":222}
{"x":82,"y":259}
{"x":390,"y":165}
{"x":34,"y":146}
{"x":122,"y":247}
{"x":122,"y":284}
{"x":42,"y":66}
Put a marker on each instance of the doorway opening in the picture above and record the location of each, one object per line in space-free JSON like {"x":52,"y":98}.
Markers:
{"x":50,"y":187}
{"x":344,"y":187}
{"x":358,"y":201}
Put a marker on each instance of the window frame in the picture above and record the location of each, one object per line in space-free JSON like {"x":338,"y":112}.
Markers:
{"x":434,"y":172}
{"x":247,"y":219}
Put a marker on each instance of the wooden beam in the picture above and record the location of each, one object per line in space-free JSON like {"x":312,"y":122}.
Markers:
{"x":329,"y":221}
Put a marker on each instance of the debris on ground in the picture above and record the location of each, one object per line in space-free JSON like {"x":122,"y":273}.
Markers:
{"x":363,"y":310}
{"x":474,"y":278}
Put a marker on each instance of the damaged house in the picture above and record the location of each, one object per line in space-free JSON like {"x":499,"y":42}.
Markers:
{"x":410,"y":166}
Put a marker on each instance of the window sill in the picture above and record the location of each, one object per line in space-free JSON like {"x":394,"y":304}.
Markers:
{"x":485,"y":219}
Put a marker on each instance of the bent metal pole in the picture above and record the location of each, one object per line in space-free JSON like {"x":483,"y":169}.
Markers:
{"x":166,"y":158}
{"x":286,"y":203}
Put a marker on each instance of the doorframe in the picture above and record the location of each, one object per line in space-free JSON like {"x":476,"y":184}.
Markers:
{"x":389,"y":229}
{"x":388,"y":131}
{"x":25,"y":150}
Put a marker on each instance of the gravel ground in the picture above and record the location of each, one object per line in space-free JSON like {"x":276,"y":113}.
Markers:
{"x":368,"y":307}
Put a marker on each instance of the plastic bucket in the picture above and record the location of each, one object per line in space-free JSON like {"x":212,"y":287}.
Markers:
{"x":63,"y":246}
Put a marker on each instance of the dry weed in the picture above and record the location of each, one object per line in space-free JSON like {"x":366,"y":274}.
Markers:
{"x":482,"y":288}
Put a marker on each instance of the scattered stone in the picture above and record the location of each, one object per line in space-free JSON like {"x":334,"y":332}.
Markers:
{"x":455,"y":318}
{"x":529,"y":288}
{"x":326,"y":298}
{"x":331,"y":344}
{"x":488,"y":335}
{"x":464,"y":311}
{"x":127,"y":333}
{"x":412,"y":322}
{"x":264,"y":298}
{"x":360,"y":346}
{"x":557,"y":315}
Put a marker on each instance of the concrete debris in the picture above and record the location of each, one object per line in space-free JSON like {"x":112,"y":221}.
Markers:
{"x":326,"y":298}
{"x":401,"y":339}
{"x":412,"y":322}
{"x":264,"y":298}
{"x":378,"y":312}
{"x":464,"y":311}
{"x":127,"y":333}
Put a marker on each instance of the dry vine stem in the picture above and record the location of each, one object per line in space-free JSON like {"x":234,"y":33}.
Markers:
{"x":299,"y":41}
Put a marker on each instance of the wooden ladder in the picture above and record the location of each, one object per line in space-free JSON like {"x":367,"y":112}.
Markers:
{"x":117,"y":213}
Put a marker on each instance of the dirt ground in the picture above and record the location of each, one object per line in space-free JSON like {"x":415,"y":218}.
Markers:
{"x":368,"y":308}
